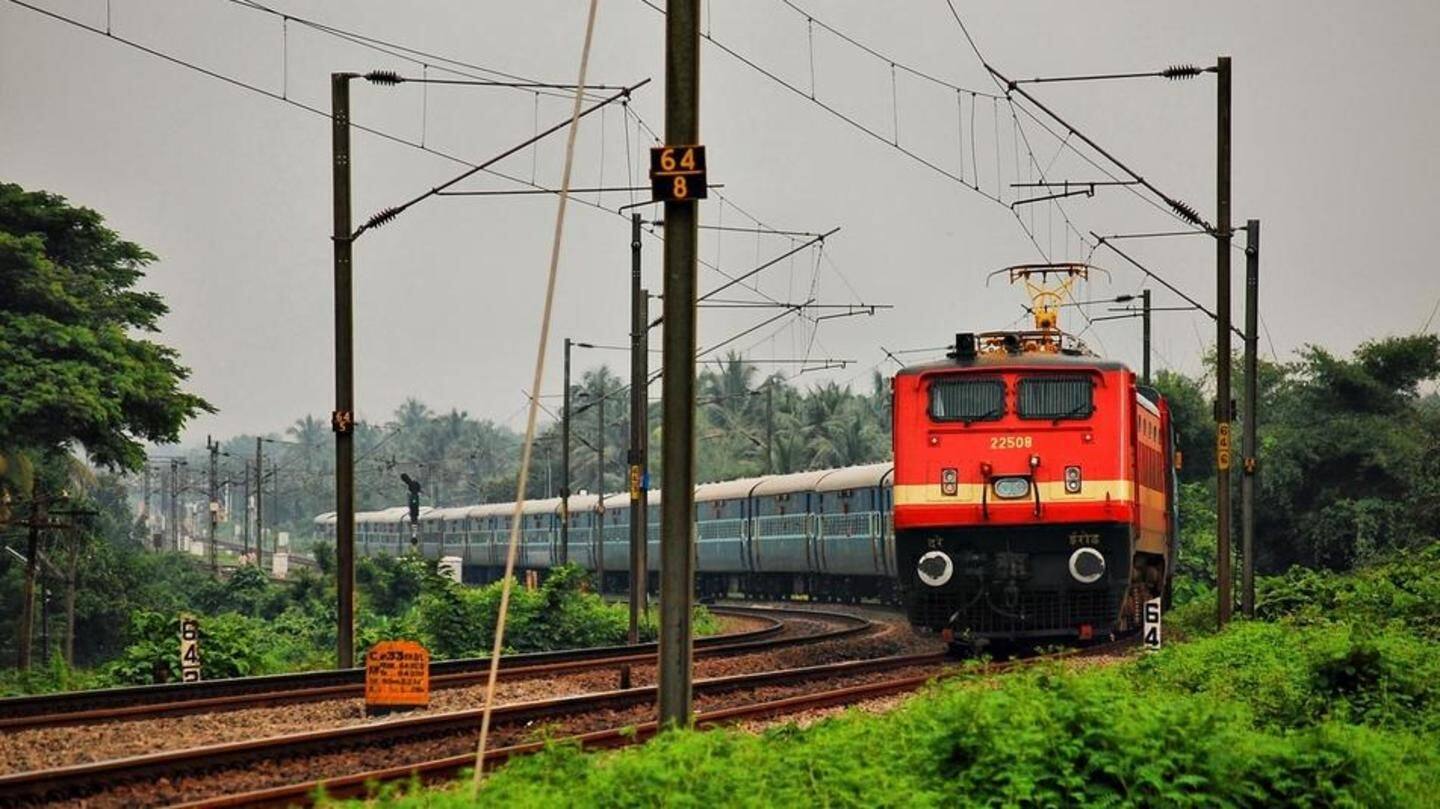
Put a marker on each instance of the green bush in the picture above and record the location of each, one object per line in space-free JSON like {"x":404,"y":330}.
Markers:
{"x":1286,"y":676}
{"x":1045,"y":738}
{"x":231,"y":645}
{"x":457,"y":621}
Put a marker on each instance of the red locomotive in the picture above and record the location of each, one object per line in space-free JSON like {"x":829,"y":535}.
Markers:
{"x":1034,"y":490}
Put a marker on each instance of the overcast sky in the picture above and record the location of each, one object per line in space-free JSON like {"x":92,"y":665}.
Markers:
{"x":1335,"y":112}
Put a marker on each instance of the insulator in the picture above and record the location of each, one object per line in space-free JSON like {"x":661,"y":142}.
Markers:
{"x":381,"y":218}
{"x":1185,"y":211}
{"x":1181,"y":72}
{"x":383,"y":77}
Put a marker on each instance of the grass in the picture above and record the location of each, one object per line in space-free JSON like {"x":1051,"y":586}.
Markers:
{"x":1334,"y":701}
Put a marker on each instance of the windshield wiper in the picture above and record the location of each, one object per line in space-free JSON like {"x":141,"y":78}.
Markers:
{"x":1074,"y":411}
{"x":994,"y":412}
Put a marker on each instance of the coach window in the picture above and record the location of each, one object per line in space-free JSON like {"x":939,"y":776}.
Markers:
{"x":967,"y":400}
{"x":1056,"y":397}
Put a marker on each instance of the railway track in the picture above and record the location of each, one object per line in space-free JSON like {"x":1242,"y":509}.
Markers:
{"x":284,"y":770}
{"x":170,"y":699}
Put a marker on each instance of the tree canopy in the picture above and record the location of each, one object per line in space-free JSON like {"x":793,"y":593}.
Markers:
{"x":75,"y":373}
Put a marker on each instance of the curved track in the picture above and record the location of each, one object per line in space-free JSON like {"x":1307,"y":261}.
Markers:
{"x":88,"y":707}
{"x":286,"y":769}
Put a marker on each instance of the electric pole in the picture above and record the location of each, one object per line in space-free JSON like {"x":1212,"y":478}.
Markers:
{"x":175,"y":504}
{"x":260,"y":505}
{"x":769,"y":427}
{"x":639,"y":435}
{"x":1223,"y":403}
{"x":342,"y":421}
{"x":1252,"y":395}
{"x":1145,"y":335}
{"x":245,"y":519}
{"x":213,"y":506}
{"x":565,"y":463}
{"x":145,"y":509}
{"x":27,"y":597}
{"x":600,"y":487}
{"x":677,"y":566}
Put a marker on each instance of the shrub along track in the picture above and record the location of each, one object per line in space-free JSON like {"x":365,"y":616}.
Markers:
{"x":286,"y":769}
{"x":779,"y":627}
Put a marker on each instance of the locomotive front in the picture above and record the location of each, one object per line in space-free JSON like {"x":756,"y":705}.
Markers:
{"x":1016,"y":507}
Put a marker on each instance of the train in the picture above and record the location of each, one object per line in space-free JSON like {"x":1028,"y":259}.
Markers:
{"x":824,"y":534}
{"x":1035,"y":488}
{"x":1033,"y":495}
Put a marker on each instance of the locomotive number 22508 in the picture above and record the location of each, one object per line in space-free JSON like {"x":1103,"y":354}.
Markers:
{"x":1011,"y":442}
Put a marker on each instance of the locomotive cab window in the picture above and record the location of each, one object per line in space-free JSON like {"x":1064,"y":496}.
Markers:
{"x":967,"y":400}
{"x":1056,"y":397}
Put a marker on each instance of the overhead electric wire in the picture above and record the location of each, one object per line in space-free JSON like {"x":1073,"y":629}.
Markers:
{"x":1176,"y":207}
{"x":415,"y":56}
{"x":390,"y":213}
{"x":895,"y":63}
{"x":380,"y":133}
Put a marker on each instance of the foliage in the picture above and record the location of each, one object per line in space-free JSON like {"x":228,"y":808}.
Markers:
{"x":73,"y":374}
{"x":463,"y":460}
{"x":457,"y":621}
{"x":1322,"y":706}
{"x":231,"y":645}
{"x":1044,"y":738}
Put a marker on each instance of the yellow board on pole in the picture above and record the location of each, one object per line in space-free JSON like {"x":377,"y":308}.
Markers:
{"x":1222,"y":445}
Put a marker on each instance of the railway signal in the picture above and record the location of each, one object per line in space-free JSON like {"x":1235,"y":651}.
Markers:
{"x":412,"y":502}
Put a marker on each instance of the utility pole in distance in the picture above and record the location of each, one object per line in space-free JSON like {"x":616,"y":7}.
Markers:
{"x":600,"y":491}
{"x":677,"y":566}
{"x":1145,"y":335}
{"x":174,"y":504}
{"x":245,"y":520}
{"x":260,"y":505}
{"x":212,"y":504}
{"x":342,"y":420}
{"x":1248,"y":443}
{"x":639,"y":436}
{"x":1224,"y":406}
{"x":565,"y":462}
{"x":769,"y":426}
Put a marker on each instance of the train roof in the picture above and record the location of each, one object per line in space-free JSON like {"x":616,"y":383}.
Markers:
{"x":823,"y":480}
{"x":855,"y":477}
{"x":1001,"y":360}
{"x":490,"y":510}
{"x":791,"y":483}
{"x":386,"y":515}
{"x":726,"y":489}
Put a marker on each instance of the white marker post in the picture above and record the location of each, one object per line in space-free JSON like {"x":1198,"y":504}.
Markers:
{"x":1151,"y":631}
{"x":189,"y":650}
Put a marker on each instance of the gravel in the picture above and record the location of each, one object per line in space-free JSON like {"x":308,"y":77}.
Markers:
{"x":43,"y":748}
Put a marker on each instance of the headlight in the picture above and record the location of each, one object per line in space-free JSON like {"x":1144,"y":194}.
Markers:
{"x":1072,"y":480}
{"x":1012,"y":488}
{"x":1087,"y":565}
{"x":935,"y":568}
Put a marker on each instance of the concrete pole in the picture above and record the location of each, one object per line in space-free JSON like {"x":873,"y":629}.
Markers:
{"x":639,"y":429}
{"x":1248,"y":440}
{"x":342,"y":421}
{"x":677,"y":560}
{"x":565,"y":462}
{"x":1223,"y":416}
{"x":1145,"y":335}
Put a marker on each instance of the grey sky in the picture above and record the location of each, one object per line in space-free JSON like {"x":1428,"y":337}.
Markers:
{"x":1335,"y":109}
